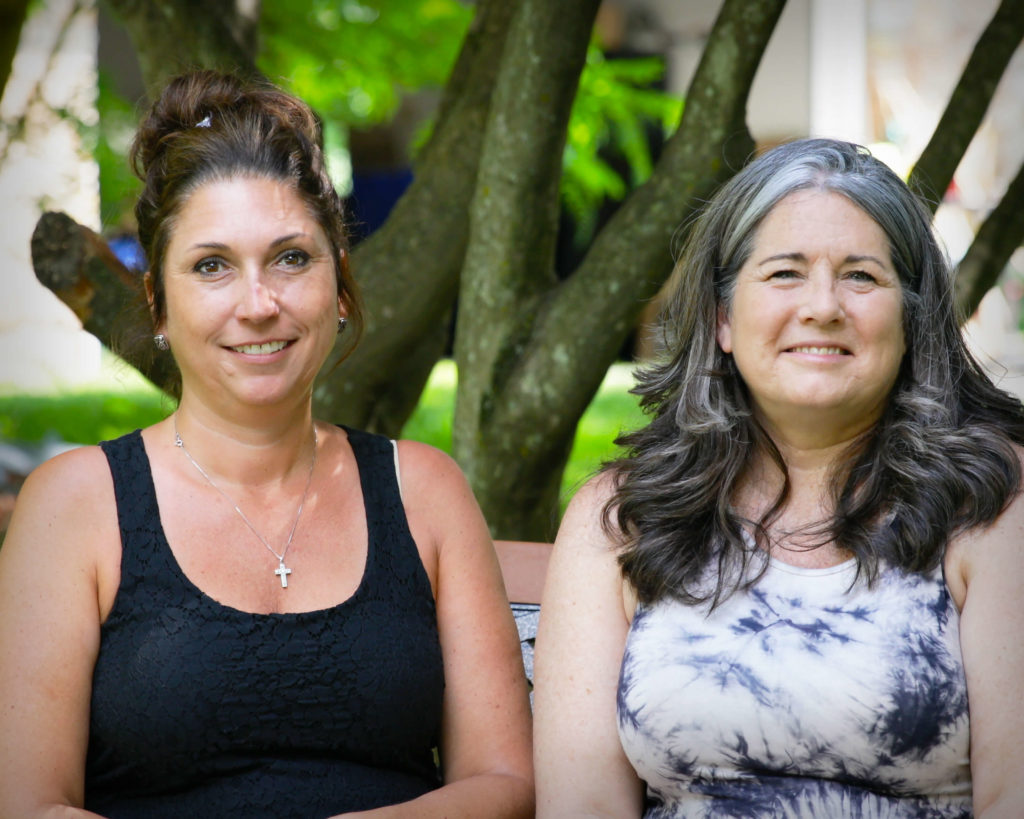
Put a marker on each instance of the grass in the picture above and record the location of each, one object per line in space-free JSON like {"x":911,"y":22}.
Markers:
{"x":80,"y":417}
{"x":613,"y":410}
{"x":118,"y":403}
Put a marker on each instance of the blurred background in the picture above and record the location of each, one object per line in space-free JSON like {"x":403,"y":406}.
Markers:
{"x":879,"y":72}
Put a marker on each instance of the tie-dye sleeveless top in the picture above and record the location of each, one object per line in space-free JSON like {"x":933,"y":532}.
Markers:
{"x":805,"y":696}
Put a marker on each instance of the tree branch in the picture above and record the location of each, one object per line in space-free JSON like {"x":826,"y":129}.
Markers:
{"x":999,"y":236}
{"x":79,"y":267}
{"x":933,"y":172}
{"x":514,"y":216}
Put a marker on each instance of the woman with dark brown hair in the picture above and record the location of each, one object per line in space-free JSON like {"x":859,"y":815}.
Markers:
{"x":242,"y":610}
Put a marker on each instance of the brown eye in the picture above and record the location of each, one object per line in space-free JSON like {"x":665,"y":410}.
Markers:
{"x":209,"y":266}
{"x":293,"y":258}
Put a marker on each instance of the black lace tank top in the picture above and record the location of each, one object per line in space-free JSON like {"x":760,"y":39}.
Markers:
{"x":202,"y":710}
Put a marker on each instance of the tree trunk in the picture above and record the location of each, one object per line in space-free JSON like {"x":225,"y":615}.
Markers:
{"x":532,"y":352}
{"x":510,"y":260}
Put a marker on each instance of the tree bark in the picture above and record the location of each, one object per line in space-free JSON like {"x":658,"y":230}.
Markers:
{"x":933,"y":172}
{"x":532,"y":352}
{"x":999,"y":236}
{"x":513,"y":227}
{"x":173,"y":36}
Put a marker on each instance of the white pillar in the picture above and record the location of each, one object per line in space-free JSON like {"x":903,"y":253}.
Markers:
{"x":838,"y":68}
{"x":43,"y":165}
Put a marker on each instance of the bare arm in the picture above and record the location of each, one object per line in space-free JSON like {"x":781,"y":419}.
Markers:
{"x":49,"y":633}
{"x":991,"y":563}
{"x":485,"y":743}
{"x":581,"y":768}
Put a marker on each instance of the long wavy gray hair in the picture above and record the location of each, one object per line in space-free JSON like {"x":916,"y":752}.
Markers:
{"x":940,"y":459}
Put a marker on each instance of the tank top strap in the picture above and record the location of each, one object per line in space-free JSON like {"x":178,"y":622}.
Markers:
{"x":392,"y":550}
{"x":138,"y":515}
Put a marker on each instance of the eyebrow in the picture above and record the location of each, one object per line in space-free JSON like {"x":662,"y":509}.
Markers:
{"x":800,"y":257}
{"x":221,"y":246}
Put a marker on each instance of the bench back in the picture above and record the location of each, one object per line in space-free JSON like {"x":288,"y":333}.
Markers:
{"x":524,"y":565}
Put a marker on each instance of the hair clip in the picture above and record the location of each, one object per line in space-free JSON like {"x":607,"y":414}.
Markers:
{"x":205,"y":122}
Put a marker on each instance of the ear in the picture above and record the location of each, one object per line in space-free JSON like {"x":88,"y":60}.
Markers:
{"x":147,"y":283}
{"x":723,"y":330}
{"x":342,"y":308}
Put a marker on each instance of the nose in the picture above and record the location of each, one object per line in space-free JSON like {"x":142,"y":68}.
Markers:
{"x":822,"y":300}
{"x":257,"y":300}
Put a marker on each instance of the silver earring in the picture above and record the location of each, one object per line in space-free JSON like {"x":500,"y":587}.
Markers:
{"x":342,"y":324}
{"x":160,"y":342}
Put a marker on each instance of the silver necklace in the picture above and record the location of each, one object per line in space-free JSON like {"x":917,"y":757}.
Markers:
{"x":281,"y":571}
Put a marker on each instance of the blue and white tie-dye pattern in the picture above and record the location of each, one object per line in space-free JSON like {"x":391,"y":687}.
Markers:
{"x":802,"y":697}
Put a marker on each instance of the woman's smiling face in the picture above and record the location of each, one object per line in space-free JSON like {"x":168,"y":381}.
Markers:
{"x":251,"y":293}
{"x":815,"y":324}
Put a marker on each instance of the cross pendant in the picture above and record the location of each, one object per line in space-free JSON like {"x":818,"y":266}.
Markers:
{"x":283,"y":571}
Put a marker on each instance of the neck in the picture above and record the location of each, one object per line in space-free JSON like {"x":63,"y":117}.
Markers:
{"x":809,"y":468}
{"x":247,"y":454}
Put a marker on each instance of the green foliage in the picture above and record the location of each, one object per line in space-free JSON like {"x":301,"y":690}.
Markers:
{"x":353,"y":60}
{"x":109,"y":141}
{"x":615,"y":104}
{"x":613,"y":410}
{"x":79,"y":417}
{"x":357,"y":59}
{"x":431,"y":421}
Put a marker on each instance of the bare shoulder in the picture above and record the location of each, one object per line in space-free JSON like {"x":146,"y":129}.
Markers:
{"x":587,"y":548}
{"x":583,"y":525}
{"x":73,"y":484}
{"x":65,"y":520}
{"x":584,"y":573}
{"x":442,"y":510}
{"x":430,"y":476}
{"x":423,"y":462}
{"x":595,"y":492}
{"x":990,"y":550}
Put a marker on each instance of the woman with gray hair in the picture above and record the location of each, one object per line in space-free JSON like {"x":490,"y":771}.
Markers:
{"x":797,"y":592}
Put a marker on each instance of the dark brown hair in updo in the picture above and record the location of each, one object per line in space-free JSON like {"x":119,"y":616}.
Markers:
{"x":207,"y":126}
